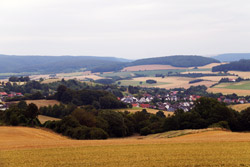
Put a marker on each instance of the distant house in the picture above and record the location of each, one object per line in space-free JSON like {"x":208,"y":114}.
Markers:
{"x":145,"y":105}
{"x":3,"y":94}
{"x":19,"y":94}
{"x":135,"y":105}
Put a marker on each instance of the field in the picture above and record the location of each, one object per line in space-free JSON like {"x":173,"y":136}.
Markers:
{"x":42,"y":103}
{"x":150,"y":110}
{"x":174,"y":82}
{"x":243,"y":85}
{"x":240,"y":88}
{"x":240,"y":107}
{"x":229,"y":91}
{"x":23,"y":147}
{"x":43,"y":118}
{"x":241,"y":74}
{"x":137,"y":83}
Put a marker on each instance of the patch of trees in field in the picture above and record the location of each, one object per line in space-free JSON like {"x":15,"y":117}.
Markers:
{"x":98,"y":98}
{"x":208,"y":112}
{"x":34,"y":90}
{"x":107,"y":123}
{"x":20,"y":114}
{"x":89,"y":122}
{"x":196,"y":81}
{"x":151,"y":81}
{"x":19,"y":79}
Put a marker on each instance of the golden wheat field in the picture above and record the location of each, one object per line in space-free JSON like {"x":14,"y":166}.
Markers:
{"x":240,"y":107}
{"x":29,"y":147}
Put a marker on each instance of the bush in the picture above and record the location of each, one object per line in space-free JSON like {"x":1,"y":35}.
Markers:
{"x":81,"y":132}
{"x":145,"y":131}
{"x":221,"y":124}
{"x":151,"y":81}
{"x":97,"y":133}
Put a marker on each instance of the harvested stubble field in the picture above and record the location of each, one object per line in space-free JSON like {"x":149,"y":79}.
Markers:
{"x":23,"y":147}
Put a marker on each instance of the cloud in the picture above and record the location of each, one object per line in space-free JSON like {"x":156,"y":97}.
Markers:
{"x":132,"y":28}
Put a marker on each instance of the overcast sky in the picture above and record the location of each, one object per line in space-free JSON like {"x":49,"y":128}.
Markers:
{"x":124,"y":28}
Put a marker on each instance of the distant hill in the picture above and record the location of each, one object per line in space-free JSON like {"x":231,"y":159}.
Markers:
{"x":54,"y":64}
{"x":229,"y":57}
{"x":176,"y":61}
{"x":242,"y":65}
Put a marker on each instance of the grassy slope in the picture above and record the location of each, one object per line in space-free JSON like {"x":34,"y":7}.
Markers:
{"x":40,"y":148}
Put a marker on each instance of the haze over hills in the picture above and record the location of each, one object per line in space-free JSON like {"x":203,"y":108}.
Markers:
{"x":229,"y":57}
{"x":48,"y":64}
{"x":55,"y":64}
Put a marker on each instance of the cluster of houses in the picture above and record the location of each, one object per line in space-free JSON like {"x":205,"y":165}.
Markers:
{"x":232,"y":101}
{"x":172,"y":102}
{"x":169,"y":102}
{"x":4,"y":95}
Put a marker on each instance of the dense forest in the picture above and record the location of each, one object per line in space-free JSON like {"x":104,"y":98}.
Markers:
{"x":242,"y":65}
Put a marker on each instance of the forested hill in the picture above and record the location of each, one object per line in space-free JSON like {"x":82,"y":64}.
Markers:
{"x":177,"y":61}
{"x":242,"y":65}
{"x":229,"y":57}
{"x":54,"y":64}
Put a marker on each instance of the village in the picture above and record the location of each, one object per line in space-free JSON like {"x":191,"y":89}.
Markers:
{"x":173,"y":101}
{"x":4,"y":96}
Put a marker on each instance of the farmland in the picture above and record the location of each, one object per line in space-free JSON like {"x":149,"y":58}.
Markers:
{"x":35,"y":147}
{"x":149,"y":110}
{"x":226,"y":91}
{"x":240,"y":88}
{"x":139,"y":83}
{"x":42,"y":103}
{"x":43,"y":118}
{"x":240,"y":107}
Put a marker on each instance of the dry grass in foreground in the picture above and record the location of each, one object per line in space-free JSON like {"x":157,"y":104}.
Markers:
{"x":28,"y":147}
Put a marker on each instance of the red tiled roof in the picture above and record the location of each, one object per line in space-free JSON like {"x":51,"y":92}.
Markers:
{"x":145,"y":105}
{"x":3,"y":93}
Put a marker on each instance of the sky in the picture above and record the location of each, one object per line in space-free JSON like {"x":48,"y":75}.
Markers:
{"x":129,"y":29}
